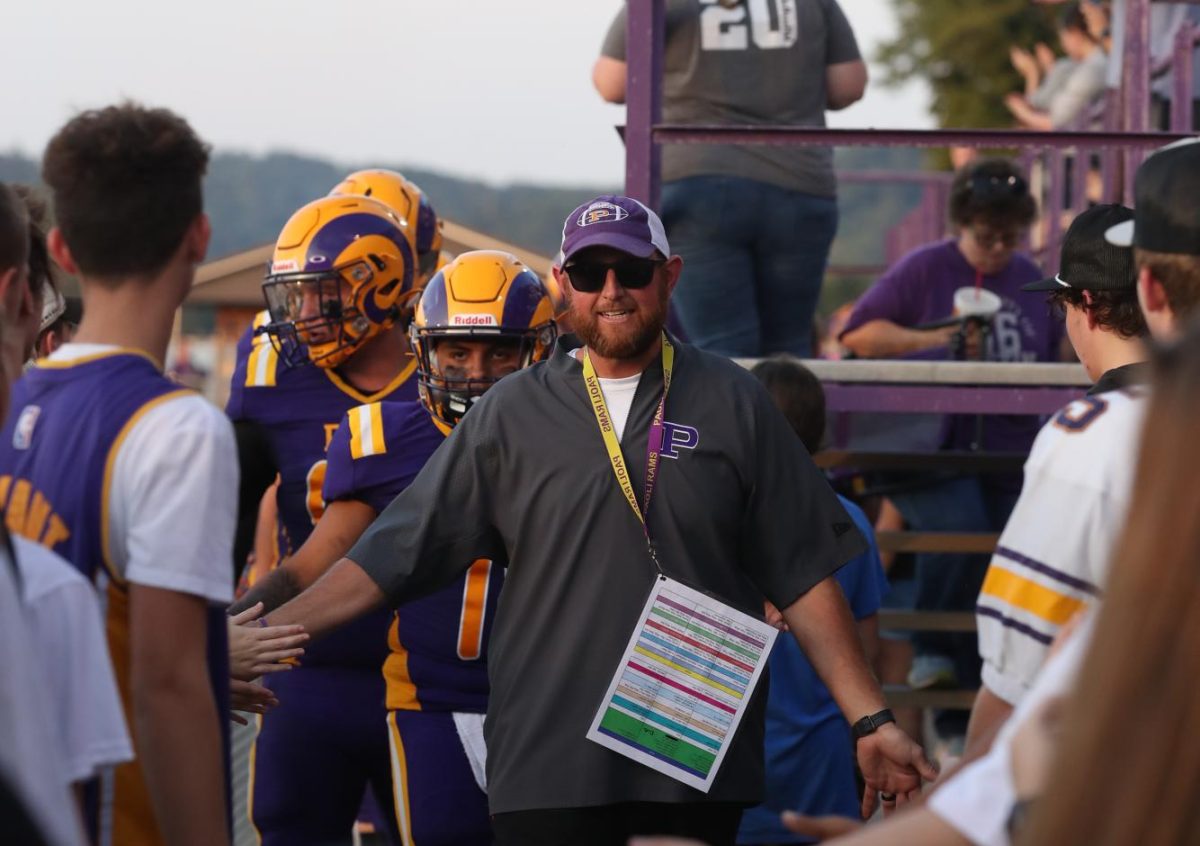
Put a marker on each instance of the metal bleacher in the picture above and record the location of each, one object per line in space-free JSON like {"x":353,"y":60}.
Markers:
{"x":1117,"y":136}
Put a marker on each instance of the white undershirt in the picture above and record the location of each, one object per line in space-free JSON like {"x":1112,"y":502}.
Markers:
{"x":31,"y":763}
{"x":68,"y":635}
{"x":173,"y":501}
{"x":618,"y":396}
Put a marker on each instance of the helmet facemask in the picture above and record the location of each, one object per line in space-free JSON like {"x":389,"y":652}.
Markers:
{"x":324,"y":318}
{"x":449,"y":395}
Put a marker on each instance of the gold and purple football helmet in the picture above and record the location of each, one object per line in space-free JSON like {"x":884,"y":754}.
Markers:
{"x":407,"y":200}
{"x":481,"y":295}
{"x":342,"y":272}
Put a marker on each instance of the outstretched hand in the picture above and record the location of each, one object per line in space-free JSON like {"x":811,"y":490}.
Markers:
{"x":249,"y":698}
{"x":892,"y":764}
{"x":819,"y":829}
{"x":255,"y":650}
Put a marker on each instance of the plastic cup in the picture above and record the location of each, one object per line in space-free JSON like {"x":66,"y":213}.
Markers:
{"x":976,"y":302}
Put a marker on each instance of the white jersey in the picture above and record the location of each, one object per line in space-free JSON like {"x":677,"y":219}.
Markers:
{"x":1053,"y":556}
{"x":978,"y":799}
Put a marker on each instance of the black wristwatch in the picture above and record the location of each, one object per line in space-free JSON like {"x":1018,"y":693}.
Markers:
{"x":871,"y":723}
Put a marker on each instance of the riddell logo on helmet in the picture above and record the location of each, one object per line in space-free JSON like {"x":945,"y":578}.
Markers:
{"x":285,"y":266}
{"x":473,"y":320}
{"x":602,"y":213}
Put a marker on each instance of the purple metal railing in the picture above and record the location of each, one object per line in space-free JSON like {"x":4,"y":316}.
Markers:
{"x":947,"y":399}
{"x":1181,"y":84}
{"x":1121,"y":143}
{"x":643,"y":96}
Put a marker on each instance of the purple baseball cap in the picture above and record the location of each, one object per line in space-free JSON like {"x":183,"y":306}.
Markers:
{"x":614,"y":221}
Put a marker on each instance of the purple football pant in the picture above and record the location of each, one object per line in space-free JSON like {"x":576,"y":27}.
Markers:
{"x":437,"y":800}
{"x":317,"y":754}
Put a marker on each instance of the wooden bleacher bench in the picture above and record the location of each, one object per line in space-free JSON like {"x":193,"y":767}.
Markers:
{"x":926,"y":621}
{"x":900,"y":696}
{"x":973,"y":542}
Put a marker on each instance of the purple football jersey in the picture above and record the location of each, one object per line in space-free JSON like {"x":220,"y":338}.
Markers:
{"x":299,"y":409}
{"x":438,"y":644}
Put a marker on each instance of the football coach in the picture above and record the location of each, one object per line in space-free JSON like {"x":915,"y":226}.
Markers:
{"x":625,"y":458}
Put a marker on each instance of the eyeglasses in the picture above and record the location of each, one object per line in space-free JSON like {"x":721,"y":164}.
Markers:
{"x":588,"y":277}
{"x":988,"y":239}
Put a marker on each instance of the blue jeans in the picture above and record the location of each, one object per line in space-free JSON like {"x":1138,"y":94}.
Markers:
{"x":754,"y":259}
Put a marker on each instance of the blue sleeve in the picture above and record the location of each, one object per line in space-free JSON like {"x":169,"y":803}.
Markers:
{"x":863,"y":579}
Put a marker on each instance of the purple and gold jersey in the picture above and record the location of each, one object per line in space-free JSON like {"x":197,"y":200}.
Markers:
{"x":57,"y":453}
{"x":438,"y":657}
{"x":299,"y":409}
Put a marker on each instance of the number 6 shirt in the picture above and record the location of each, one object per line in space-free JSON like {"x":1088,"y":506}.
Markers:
{"x":920,"y":289}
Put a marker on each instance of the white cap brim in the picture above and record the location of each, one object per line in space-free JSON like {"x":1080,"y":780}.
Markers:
{"x":1120,"y":235}
{"x":54,"y":306}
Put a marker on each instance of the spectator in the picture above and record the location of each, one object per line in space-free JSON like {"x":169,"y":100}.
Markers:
{"x":68,"y":632}
{"x":1137,"y":684}
{"x":1063,"y":107}
{"x":754,"y":223}
{"x":809,"y":750}
{"x":30,"y":764}
{"x":60,"y":321}
{"x":140,"y":477}
{"x":990,"y":206}
{"x":1044,"y":72}
{"x":1053,"y":559}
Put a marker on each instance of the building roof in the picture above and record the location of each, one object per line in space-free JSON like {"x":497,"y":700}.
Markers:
{"x":236,"y":280}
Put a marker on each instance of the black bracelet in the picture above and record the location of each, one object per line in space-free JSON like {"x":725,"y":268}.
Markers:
{"x":871,"y":723}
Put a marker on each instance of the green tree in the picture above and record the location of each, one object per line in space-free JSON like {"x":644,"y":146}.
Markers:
{"x":961,"y":47}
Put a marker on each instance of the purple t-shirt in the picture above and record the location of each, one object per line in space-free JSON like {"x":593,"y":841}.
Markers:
{"x":920,"y":289}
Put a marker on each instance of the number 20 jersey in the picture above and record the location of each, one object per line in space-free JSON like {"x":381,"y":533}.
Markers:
{"x":299,"y":409}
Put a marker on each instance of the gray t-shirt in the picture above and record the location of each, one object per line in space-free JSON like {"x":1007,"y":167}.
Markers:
{"x":525,"y":478}
{"x":755,"y":62}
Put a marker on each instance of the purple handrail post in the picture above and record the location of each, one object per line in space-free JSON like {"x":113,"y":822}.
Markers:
{"x":1136,"y":82}
{"x":643,"y":96}
{"x":1181,"y":82}
{"x":1109,"y":159}
{"x":1054,"y":207}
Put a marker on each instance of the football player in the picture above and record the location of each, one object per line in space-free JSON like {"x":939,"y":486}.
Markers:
{"x":407,"y":200}
{"x":340,"y":290}
{"x":483,"y":316}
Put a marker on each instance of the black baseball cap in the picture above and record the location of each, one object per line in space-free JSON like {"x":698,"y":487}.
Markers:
{"x":1166,"y":210}
{"x":1089,"y":261}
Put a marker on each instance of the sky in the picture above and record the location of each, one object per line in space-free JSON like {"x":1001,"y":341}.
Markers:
{"x":498,"y":90}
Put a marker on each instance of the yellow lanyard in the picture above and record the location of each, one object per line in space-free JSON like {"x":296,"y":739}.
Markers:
{"x":613,"y":446}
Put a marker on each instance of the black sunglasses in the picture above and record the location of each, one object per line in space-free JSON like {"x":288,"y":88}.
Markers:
{"x":588,"y":277}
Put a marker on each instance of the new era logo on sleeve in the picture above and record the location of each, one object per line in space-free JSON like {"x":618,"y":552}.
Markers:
{"x":676,"y":436}
{"x":23,"y":431}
